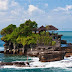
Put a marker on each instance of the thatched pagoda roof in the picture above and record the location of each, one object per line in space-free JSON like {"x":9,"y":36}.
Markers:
{"x":42,"y":28}
{"x":50,"y":27}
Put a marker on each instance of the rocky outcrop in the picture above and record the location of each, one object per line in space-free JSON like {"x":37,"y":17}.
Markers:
{"x":41,"y":48}
{"x":51,"y":56}
{"x":68,"y":48}
{"x":18,"y":64}
{"x":63,"y":42}
{"x":1,"y":51}
{"x":69,"y":54}
{"x":6,"y":50}
{"x":33,"y":53}
{"x":9,"y":49}
{"x":45,"y":53}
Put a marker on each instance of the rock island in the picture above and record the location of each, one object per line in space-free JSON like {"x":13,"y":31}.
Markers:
{"x":31,"y":40}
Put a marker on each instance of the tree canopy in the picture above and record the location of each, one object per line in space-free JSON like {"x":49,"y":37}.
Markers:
{"x":8,"y":30}
{"x":23,"y":34}
{"x":11,"y":32}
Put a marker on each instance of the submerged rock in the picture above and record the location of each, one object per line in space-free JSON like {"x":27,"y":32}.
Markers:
{"x":18,"y":64}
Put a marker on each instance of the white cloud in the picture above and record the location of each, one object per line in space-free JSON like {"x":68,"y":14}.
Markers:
{"x":58,"y":9}
{"x":32,"y":8}
{"x":67,"y":8}
{"x":2,"y":13}
{"x":3,"y":4}
{"x":13,"y":3}
{"x":15,"y":11}
{"x":16,"y":14}
{"x":7,"y":4}
{"x":9,"y":12}
{"x":25,"y":19}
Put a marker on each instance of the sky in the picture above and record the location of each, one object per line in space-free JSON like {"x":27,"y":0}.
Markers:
{"x":45,"y":12}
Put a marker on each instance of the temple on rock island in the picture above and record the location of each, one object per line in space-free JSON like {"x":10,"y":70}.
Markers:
{"x":46,"y":50}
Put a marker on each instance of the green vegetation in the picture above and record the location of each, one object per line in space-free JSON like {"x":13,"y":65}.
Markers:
{"x":53,"y":43}
{"x":8,"y":30}
{"x":45,"y":38}
{"x":23,"y":35}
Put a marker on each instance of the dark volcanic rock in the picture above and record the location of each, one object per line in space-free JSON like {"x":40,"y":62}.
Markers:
{"x":63,"y":42}
{"x":33,"y":53}
{"x":67,"y":56}
{"x":1,"y":51}
{"x":4,"y":63}
{"x":51,"y":56}
{"x":19,"y":64}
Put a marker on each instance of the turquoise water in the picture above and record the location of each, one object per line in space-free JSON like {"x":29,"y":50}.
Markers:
{"x":67,"y":35}
{"x":57,"y":66}
{"x":36,"y":70}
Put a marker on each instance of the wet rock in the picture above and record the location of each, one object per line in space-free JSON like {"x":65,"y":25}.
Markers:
{"x":67,"y":56}
{"x":63,"y":42}
{"x":19,"y":64}
{"x":33,"y":53}
{"x":5,"y":63}
{"x":51,"y":56}
{"x":1,"y":51}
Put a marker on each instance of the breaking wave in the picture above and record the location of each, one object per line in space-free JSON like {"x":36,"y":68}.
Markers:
{"x":35,"y":63}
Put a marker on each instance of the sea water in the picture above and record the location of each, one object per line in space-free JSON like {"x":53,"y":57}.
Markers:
{"x":37,"y":66}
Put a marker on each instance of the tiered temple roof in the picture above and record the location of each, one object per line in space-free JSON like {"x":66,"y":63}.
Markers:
{"x":42,"y":28}
{"x":50,"y":27}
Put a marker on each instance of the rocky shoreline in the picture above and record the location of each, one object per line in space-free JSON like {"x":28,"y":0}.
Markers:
{"x":18,"y":64}
{"x":46,"y":53}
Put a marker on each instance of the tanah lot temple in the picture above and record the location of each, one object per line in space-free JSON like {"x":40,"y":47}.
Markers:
{"x":45,"y":53}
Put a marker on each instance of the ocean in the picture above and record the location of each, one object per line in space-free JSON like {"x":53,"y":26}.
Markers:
{"x":36,"y":66}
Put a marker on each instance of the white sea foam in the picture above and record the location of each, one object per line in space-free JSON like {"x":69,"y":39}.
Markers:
{"x":62,"y":63}
{"x":35,"y":63}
